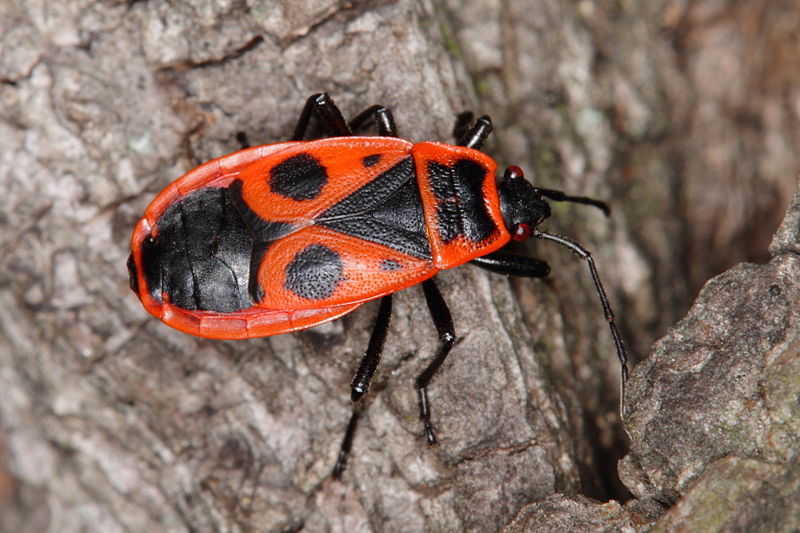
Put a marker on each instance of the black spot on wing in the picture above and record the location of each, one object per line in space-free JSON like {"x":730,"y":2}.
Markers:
{"x":300,"y":177}
{"x":371,"y":160}
{"x":314,"y":273}
{"x":460,"y":209}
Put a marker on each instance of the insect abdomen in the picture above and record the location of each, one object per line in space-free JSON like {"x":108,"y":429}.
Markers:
{"x":199,"y":256}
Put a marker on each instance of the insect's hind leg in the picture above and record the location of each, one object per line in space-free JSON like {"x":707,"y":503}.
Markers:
{"x":332,"y":119}
{"x":362,"y":379}
{"x":447,"y":335}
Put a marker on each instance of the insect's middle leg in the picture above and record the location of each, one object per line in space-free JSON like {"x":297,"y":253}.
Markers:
{"x":334,"y":122}
{"x":363,"y":377}
{"x":447,"y":335}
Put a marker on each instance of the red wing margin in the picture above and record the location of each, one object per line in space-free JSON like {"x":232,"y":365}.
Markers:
{"x":319,"y":267}
{"x":247,"y":323}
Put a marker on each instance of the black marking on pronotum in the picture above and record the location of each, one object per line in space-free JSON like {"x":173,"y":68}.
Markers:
{"x":371,"y":160}
{"x":314,"y":273}
{"x":460,"y":208}
{"x":300,"y":177}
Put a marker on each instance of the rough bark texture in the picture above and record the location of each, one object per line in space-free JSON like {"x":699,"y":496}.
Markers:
{"x":683,"y":114}
{"x":714,"y":413}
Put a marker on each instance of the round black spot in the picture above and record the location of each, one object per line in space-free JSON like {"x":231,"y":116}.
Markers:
{"x":775,"y":290}
{"x":314,"y":273}
{"x":371,"y":160}
{"x":390,"y":265}
{"x":301,"y":177}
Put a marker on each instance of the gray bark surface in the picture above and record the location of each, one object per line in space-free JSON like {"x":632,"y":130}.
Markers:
{"x":683,"y":115}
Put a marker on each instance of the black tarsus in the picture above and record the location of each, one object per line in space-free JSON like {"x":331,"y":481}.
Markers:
{"x":366,"y":370}
{"x":241,"y":138}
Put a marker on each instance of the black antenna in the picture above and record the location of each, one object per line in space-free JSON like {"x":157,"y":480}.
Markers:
{"x":583,"y":253}
{"x":560,"y":196}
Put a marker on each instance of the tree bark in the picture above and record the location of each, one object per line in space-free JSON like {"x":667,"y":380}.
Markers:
{"x":680,"y":114}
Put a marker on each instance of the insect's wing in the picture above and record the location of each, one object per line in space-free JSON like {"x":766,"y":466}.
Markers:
{"x":299,"y":183}
{"x":248,"y":323}
{"x":320,"y":267}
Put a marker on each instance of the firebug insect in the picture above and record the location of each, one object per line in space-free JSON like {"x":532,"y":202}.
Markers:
{"x":286,"y":236}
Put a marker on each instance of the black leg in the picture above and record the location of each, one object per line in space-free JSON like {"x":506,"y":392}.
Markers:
{"x":477,"y":134}
{"x":463,"y":122}
{"x":444,"y":326}
{"x":332,"y":119}
{"x":242,"y":139}
{"x":560,"y":196}
{"x":583,"y":253}
{"x":510,"y":264}
{"x":383,"y":118}
{"x":360,"y":383}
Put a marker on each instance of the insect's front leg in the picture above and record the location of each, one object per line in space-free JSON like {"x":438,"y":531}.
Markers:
{"x":510,"y":264}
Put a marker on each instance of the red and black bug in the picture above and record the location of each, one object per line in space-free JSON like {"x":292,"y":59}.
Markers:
{"x":286,"y":236}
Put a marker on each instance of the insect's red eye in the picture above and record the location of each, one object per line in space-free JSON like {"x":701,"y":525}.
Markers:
{"x":514,"y":172}
{"x":521,"y":232}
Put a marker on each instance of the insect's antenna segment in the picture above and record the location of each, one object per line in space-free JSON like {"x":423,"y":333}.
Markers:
{"x":559,"y":196}
{"x":583,"y":253}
